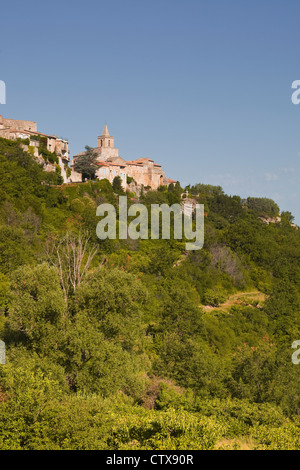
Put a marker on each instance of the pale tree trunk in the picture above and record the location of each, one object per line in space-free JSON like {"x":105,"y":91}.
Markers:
{"x":72,"y":256}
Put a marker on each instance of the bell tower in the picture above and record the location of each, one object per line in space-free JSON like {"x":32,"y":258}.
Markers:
{"x":105,"y":140}
{"x":105,"y":148}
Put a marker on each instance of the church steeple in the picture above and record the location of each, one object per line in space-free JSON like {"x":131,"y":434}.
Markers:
{"x":105,"y":140}
{"x":105,"y":132}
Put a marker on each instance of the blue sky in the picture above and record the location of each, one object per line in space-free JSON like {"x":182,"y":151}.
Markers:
{"x":201,"y":86}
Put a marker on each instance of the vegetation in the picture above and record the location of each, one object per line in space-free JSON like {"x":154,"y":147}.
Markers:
{"x":49,"y":157}
{"x":68,"y":171}
{"x":86,"y":163}
{"x":138,"y":344}
{"x":117,"y":185}
{"x":129,"y":179}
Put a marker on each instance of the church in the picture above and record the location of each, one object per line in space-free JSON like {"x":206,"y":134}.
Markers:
{"x":140,"y":172}
{"x":134,"y":174}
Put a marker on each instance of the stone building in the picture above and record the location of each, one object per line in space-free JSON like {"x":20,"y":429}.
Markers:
{"x":143,"y":171}
{"x":17,"y":124}
{"x":110,"y":170}
{"x":134,"y":174}
{"x":14,"y":129}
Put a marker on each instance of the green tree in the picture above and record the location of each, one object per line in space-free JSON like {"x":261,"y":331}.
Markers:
{"x":26,"y":394}
{"x":37,"y":310}
{"x":117,"y":185}
{"x":115,"y":300}
{"x":263,"y":206}
{"x":86,"y":163}
{"x":287,"y":216}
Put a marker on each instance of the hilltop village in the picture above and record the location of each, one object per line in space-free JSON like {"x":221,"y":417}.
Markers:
{"x":53,"y":152}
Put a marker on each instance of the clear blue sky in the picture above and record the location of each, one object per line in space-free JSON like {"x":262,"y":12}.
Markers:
{"x":201,"y":86}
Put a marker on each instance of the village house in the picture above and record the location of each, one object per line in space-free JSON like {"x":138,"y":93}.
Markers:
{"x":134,"y":174}
{"x":142,"y":172}
{"x":14,"y":129}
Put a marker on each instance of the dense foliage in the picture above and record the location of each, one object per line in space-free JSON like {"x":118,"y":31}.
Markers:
{"x":86,"y":163}
{"x":139,"y":344}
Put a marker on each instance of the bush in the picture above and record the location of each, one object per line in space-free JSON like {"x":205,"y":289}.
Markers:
{"x":214,"y":297}
{"x":51,"y":157}
{"x":263,"y":206}
{"x":129,"y":179}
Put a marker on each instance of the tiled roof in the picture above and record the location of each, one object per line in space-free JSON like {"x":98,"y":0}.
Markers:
{"x":16,"y":130}
{"x":110,"y":164}
{"x":24,"y":131}
{"x":142,"y":159}
{"x":133,"y":162}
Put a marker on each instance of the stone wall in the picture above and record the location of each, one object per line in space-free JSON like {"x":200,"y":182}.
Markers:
{"x":18,"y":124}
{"x":145,"y":172}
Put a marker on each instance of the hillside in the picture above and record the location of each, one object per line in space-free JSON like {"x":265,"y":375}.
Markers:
{"x":138,"y":344}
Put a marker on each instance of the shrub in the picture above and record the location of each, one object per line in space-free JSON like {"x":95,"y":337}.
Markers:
{"x":214,"y":297}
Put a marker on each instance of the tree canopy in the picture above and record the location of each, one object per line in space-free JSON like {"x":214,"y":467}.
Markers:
{"x":86,"y":163}
{"x":139,"y":344}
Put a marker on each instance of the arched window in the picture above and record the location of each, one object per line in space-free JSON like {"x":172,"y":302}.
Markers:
{"x":109,"y":143}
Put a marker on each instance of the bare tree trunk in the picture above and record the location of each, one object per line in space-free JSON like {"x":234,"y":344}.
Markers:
{"x":72,"y":257}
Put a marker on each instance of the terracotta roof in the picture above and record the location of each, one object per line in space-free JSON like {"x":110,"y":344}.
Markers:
{"x":15,"y":130}
{"x":31,"y":132}
{"x":40,"y":133}
{"x":110,"y":164}
{"x":142,"y":159}
{"x":139,"y":161}
{"x":133,"y":162}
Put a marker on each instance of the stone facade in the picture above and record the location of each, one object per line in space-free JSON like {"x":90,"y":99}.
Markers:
{"x":110,"y":170}
{"x":134,"y":174}
{"x":14,"y":129}
{"x":144,"y":171}
{"x":17,"y":124}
